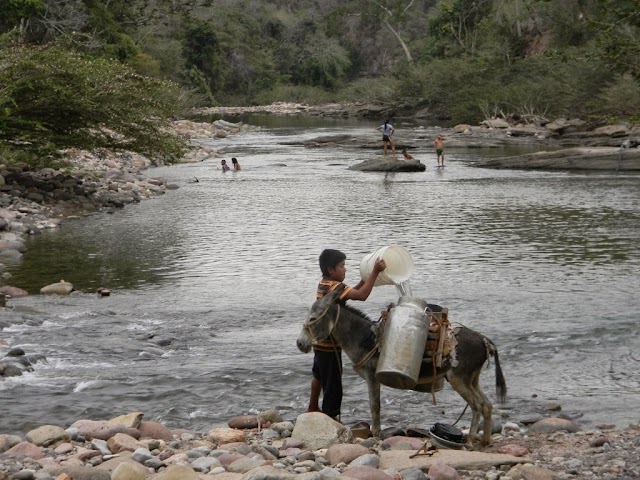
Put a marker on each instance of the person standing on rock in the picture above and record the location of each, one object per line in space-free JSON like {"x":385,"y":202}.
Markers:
{"x":327,"y":356}
{"x":438,"y":143}
{"x":387,"y":137}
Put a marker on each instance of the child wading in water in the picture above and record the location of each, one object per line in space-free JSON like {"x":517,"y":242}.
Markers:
{"x":438,"y":143}
{"x":327,"y":357}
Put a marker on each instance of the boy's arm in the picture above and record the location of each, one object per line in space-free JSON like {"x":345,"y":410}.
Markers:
{"x":363,"y":289}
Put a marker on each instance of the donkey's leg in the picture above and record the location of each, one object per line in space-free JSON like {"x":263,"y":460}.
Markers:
{"x":486,"y":408}
{"x":374,"y":403}
{"x":464,"y":386}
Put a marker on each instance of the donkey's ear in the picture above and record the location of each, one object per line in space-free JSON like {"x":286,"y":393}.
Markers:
{"x":336,"y":292}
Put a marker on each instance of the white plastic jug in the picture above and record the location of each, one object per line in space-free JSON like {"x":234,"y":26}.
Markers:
{"x":399,"y":265}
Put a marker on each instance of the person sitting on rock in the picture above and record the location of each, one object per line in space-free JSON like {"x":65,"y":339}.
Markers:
{"x":407,"y":155}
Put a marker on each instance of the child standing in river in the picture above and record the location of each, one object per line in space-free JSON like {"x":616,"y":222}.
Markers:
{"x":438,"y":143}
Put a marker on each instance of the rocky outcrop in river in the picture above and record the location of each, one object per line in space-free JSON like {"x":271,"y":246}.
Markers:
{"x":593,"y":158}
{"x":389,"y":165}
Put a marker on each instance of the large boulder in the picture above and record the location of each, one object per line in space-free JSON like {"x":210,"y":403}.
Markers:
{"x":60,"y":288}
{"x":103,"y":430}
{"x":345,"y":452}
{"x":550,"y":425}
{"x":47,"y":435}
{"x":13,"y":292}
{"x":382,"y":165}
{"x":317,"y":430}
{"x":226,"y":435}
{"x":129,"y":420}
{"x":495,"y":123}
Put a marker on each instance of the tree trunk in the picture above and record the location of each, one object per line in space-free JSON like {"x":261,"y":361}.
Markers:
{"x":407,"y":53}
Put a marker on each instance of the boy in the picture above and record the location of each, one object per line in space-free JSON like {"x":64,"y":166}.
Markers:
{"x":406,"y":155}
{"x":327,"y":357}
{"x":438,"y":143}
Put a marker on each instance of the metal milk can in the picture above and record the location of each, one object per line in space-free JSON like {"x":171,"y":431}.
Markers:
{"x":403,"y":344}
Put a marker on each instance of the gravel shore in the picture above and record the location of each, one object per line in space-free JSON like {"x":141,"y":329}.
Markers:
{"x":310,"y":447}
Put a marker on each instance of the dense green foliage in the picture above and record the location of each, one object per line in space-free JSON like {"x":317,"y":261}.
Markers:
{"x":52,"y":97}
{"x":456,"y":59}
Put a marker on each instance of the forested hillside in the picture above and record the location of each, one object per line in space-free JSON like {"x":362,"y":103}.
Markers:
{"x":456,"y":59}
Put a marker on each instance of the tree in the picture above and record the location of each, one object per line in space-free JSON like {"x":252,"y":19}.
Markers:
{"x":201,"y":51}
{"x":460,"y":21}
{"x":309,"y":57}
{"x":397,"y":11}
{"x":15,"y":13}
{"x":617,"y":27}
{"x":53,"y":98}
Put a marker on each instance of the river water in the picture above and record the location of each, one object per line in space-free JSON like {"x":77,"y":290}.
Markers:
{"x":544,"y":263}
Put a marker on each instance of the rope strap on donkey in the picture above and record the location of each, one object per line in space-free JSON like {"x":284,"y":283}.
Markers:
{"x":376,"y":346}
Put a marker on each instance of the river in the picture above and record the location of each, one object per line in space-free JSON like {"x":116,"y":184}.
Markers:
{"x":211,"y":282}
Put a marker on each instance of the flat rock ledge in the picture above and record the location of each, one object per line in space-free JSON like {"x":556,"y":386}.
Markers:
{"x":594,"y":158}
{"x":382,"y":165}
{"x":458,"y":459}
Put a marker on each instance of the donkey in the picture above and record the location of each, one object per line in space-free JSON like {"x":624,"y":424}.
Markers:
{"x":350,"y":328}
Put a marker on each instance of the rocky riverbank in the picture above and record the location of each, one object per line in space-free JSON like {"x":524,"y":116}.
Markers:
{"x":85,"y":183}
{"x":311,"y":447}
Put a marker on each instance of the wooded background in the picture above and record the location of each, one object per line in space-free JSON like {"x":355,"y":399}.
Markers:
{"x":460,"y":60}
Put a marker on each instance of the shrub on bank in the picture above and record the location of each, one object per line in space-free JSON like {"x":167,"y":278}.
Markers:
{"x":52,"y":98}
{"x":294,"y":93}
{"x":470,"y":89}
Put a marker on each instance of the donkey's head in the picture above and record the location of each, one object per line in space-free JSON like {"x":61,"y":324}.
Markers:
{"x":323,"y":315}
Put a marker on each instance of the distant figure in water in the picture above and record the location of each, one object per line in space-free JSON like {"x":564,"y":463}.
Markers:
{"x":236,"y":165}
{"x":225,"y":167}
{"x":438,"y":143}
{"x":407,"y":155}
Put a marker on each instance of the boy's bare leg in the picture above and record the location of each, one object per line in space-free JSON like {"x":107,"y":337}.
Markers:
{"x":316,"y":388}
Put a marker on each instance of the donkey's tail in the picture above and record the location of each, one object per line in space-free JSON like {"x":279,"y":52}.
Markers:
{"x":501,"y":384}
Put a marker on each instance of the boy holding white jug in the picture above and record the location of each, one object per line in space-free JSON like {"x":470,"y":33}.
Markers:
{"x":327,"y":357}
